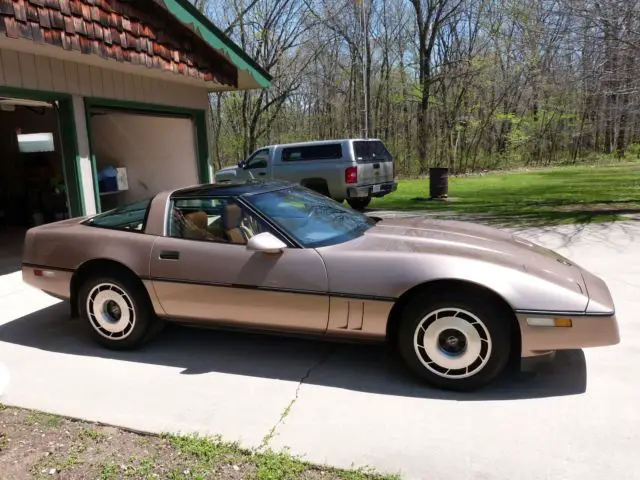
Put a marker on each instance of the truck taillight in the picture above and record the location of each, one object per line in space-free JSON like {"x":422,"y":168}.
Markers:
{"x":351,"y":175}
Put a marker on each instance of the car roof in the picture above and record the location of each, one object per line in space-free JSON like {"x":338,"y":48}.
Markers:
{"x":233,"y":189}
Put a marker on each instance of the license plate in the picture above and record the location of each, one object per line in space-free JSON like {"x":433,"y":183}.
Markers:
{"x":376,"y":189}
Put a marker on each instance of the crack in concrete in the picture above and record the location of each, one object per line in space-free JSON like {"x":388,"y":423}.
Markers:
{"x":272,"y":433}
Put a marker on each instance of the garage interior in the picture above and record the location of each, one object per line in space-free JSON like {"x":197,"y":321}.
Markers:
{"x":32,"y":183}
{"x":136,"y":154}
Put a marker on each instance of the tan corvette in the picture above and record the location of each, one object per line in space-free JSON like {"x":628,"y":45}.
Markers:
{"x":460,"y":300}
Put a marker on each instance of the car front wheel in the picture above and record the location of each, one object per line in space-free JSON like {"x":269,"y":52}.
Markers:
{"x":453,"y":342}
{"x":117,"y":311}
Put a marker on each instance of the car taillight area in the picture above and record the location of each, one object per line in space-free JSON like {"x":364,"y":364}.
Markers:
{"x":351,"y":175}
{"x":28,"y":248}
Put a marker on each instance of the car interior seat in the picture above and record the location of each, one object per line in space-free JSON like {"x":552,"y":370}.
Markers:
{"x":232,"y":224}
{"x":195,"y":225}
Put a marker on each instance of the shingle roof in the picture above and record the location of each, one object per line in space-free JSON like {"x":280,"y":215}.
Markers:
{"x":137,"y":32}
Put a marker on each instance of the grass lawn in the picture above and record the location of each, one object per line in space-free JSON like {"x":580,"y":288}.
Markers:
{"x":551,"y":196}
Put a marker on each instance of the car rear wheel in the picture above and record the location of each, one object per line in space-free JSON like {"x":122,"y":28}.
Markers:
{"x":454,"y":342}
{"x":359,"y":203}
{"x":117,"y":311}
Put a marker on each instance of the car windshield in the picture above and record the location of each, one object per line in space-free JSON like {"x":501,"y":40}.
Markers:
{"x":313,"y":220}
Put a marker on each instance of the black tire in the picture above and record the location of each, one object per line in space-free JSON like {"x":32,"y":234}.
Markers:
{"x":359,"y":203}
{"x":494,"y":323}
{"x":144,"y":325}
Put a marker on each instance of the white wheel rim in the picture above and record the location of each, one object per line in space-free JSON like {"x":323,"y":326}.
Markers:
{"x":452,"y":343}
{"x":111,"y":311}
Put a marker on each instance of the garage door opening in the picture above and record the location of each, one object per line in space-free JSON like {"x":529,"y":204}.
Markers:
{"x":32,"y":180}
{"x":138,"y":154}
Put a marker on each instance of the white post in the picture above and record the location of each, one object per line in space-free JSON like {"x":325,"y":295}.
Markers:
{"x":85,"y":167}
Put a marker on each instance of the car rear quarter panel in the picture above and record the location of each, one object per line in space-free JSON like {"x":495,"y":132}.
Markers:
{"x":64,"y":247}
{"x":69,"y":248}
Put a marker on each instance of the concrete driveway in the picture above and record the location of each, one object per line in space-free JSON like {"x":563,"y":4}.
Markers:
{"x":575,"y":417}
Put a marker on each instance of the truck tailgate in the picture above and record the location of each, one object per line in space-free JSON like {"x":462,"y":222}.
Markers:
{"x":375,"y":163}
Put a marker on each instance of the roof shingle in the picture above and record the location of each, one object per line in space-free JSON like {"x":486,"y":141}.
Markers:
{"x":137,"y":32}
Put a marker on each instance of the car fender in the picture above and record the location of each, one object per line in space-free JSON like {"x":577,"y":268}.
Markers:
{"x":389,"y":275}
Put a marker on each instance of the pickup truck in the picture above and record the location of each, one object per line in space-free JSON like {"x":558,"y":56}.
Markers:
{"x":355,"y":170}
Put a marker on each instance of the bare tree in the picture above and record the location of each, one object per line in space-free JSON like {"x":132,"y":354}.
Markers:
{"x":469,"y":84}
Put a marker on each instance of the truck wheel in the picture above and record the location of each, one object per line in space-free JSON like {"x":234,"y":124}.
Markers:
{"x":359,"y":203}
{"x":318,"y":187}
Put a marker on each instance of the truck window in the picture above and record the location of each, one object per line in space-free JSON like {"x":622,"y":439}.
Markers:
{"x":330,"y":151}
{"x":260,"y":159}
{"x":371,"y":150}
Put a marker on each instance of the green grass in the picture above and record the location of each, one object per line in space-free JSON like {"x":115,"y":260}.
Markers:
{"x":278,"y":466}
{"x":551,"y":196}
{"x":91,"y":434}
{"x":202,"y":453}
{"x":47,"y":420}
{"x":203,"y":449}
{"x":109,"y":470}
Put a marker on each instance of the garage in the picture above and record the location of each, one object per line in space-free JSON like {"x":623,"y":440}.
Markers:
{"x":136,"y":153}
{"x":104,"y":103}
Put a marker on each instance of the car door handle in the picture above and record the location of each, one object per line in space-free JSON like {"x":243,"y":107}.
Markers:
{"x":376,"y":165}
{"x":169,"y":255}
{"x":262,"y":174}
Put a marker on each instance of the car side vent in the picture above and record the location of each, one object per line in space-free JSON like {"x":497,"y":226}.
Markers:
{"x":346,"y":314}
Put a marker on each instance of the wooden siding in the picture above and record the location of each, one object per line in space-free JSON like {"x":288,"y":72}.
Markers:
{"x":35,"y":72}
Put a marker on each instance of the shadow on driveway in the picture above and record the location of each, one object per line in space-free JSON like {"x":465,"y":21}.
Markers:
{"x":366,"y":368}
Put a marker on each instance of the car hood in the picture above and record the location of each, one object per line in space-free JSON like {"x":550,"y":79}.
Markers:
{"x":473,"y":241}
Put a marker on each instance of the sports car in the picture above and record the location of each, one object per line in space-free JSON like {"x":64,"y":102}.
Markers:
{"x":459,"y":300}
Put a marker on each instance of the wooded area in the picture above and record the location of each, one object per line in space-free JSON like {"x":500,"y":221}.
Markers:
{"x":469,"y":84}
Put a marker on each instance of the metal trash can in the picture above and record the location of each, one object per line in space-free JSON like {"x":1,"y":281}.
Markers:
{"x":438,"y":182}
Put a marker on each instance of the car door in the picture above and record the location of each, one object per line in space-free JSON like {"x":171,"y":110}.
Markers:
{"x":257,"y":166}
{"x":202,"y":271}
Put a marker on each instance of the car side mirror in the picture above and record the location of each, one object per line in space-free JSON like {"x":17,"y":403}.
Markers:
{"x":242,"y":164}
{"x":266,"y":243}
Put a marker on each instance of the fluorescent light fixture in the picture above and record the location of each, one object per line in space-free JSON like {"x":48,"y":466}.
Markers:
{"x":36,"y":142}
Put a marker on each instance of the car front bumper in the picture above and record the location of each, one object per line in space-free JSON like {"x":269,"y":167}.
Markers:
{"x":374,"y":190}
{"x":585,"y":331}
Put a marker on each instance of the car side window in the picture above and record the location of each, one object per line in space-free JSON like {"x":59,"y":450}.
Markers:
{"x":221,"y":220}
{"x":130,"y":217}
{"x":260,"y":159}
